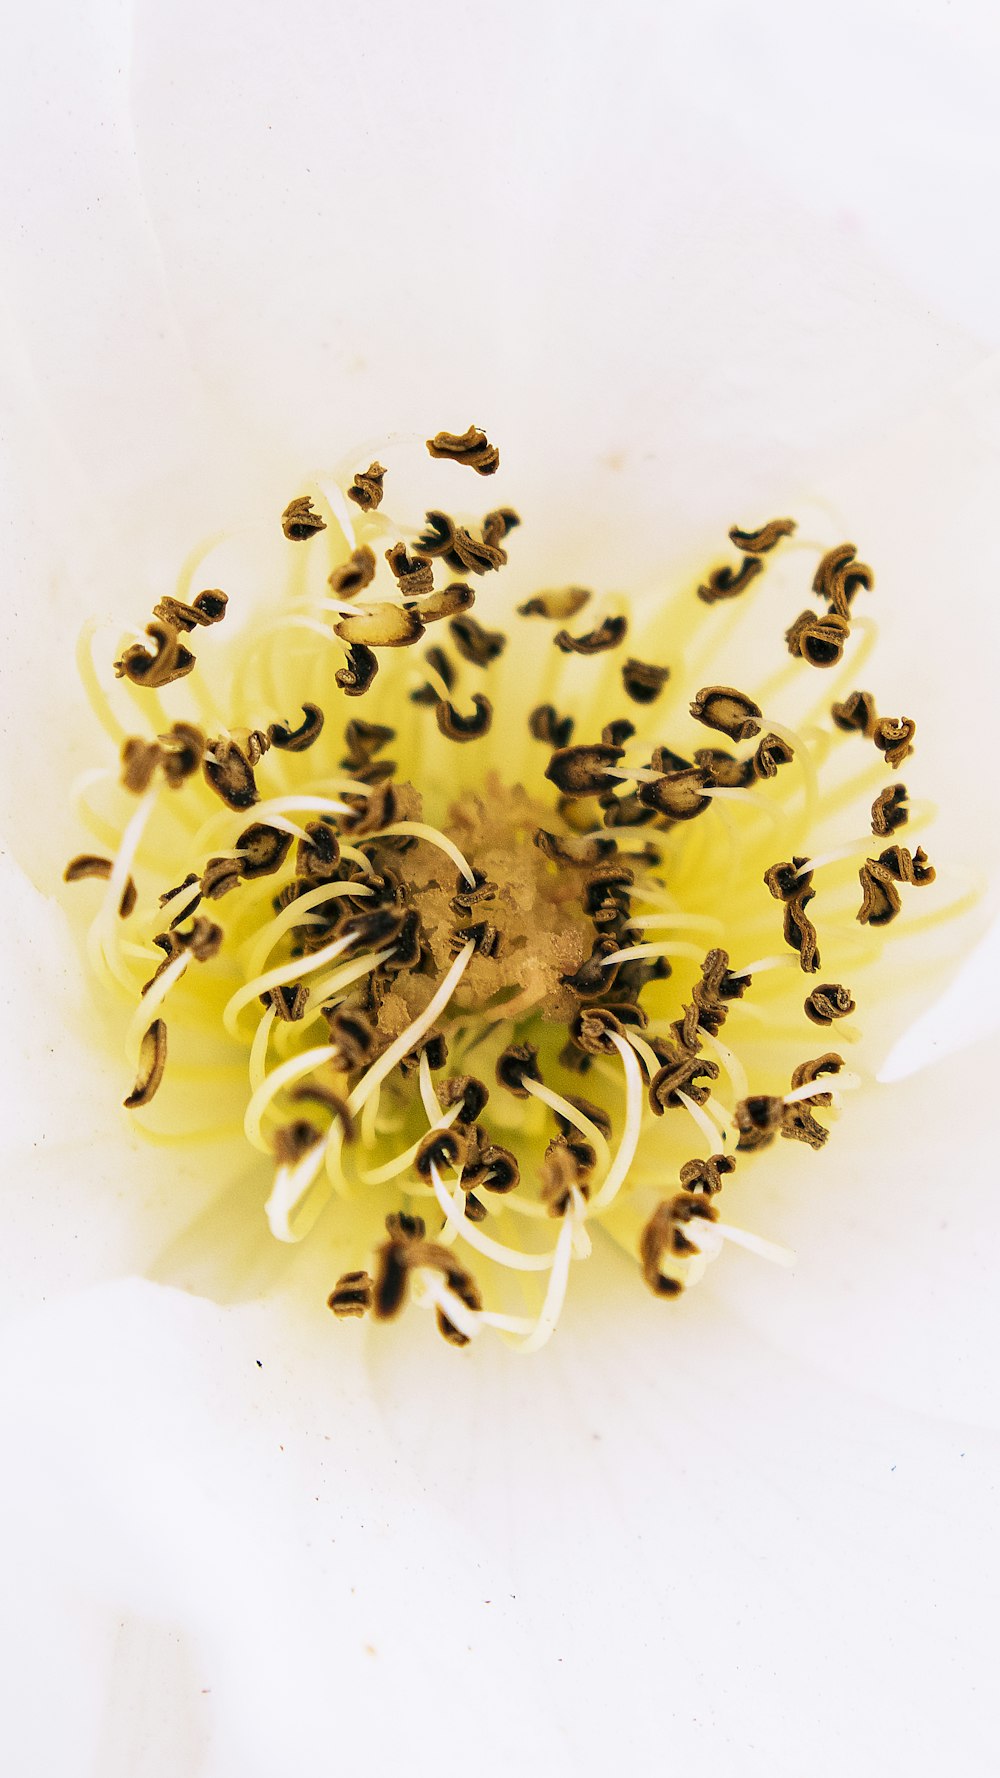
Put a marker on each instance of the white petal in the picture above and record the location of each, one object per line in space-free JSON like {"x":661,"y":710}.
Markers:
{"x":686,"y":272}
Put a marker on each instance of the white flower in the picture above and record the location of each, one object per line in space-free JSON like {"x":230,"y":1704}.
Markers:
{"x":738,"y":1532}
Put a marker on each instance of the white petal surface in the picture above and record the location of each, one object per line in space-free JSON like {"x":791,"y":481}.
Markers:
{"x":689,"y":270}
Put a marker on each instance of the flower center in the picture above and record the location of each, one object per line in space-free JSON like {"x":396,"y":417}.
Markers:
{"x":461,"y":966}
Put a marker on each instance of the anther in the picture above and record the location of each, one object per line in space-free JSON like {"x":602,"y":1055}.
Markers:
{"x":761,"y":541}
{"x":353,"y":575}
{"x":471,"y":447}
{"x":732,"y":712}
{"x":361,"y":668}
{"x":367,"y":488}
{"x":296,"y":740}
{"x":893,"y":736}
{"x":559,"y":603}
{"x":299,"y":522}
{"x":152,"y":1062}
{"x":727,"y":583}
{"x":609,"y":634}
{"x":464,"y":728}
{"x":353,"y":1294}
{"x":474,"y":643}
{"x":818,"y":640}
{"x":517,"y":1061}
{"x":829,"y":1002}
{"x":643,"y":681}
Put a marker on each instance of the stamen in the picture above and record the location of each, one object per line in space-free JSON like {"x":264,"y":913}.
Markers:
{"x":555,"y":1294}
{"x":400,"y":1162}
{"x":618,"y":1171}
{"x":421,"y":830}
{"x":276,"y":978}
{"x":512,"y":1257}
{"x":271,"y":1085}
{"x":151,"y":1002}
{"x":410,"y":1037}
{"x":811,"y":1089}
{"x":297,"y":914}
{"x":654,"y":948}
{"x":572,"y":1114}
{"x":762,"y":964}
{"x":710,"y":1129}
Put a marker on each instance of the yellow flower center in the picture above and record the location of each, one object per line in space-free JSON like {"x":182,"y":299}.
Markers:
{"x":450,"y":915}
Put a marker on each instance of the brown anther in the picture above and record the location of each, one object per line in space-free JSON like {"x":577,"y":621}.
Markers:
{"x":474,"y":555}
{"x":139,"y":761}
{"x":299,"y":521}
{"x":664,"y":759}
{"x":724,"y":769}
{"x":364,"y":739}
{"x":729,"y":711}
{"x":610,"y":882}
{"x":435,"y":657}
{"x":856,"y":714}
{"x":545,"y":725}
{"x":800,"y":933}
{"x":806,"y":1072}
{"x":465,"y":728}
{"x":318,"y":1093}
{"x":608,"y":634}
{"x":219,"y":877}
{"x":289,"y":1001}
{"x":772,"y":752}
{"x":838,"y":577}
{"x":591,"y":981}
{"x":353,"y":1294}
{"x":206,"y":608}
{"x":594,"y":1028}
{"x":678,"y":795}
{"x":318,"y":857}
{"x":87,"y":864}
{"x":518,"y":1062}
{"x":361,"y":668}
{"x":617,"y":732}
{"x":292,"y":1142}
{"x":403,"y":1254}
{"x":573,"y":849}
{"x":262,"y":849}
{"x":758,"y":1120}
{"x":706,"y":1175}
{"x":560,"y":1175}
{"x":402,"y":1227}
{"x":474,"y":643}
{"x":681,"y":1072}
{"x":467,"y":1091}
{"x":764,"y":538}
{"x":353,"y":575}
{"x":827,"y":1003}
{"x":182,"y":751}
{"x":818,"y":640}
{"x":468,"y":894}
{"x":498,"y":523}
{"x":905,"y":868}
{"x":663,"y":1238}
{"x":487,"y":939}
{"x":353,"y":1033}
{"x":880,"y":901}
{"x":382,"y":626}
{"x":471,"y":448}
{"x":296,"y":740}
{"x":893,"y":736}
{"x":727,"y":583}
{"x":785,"y":882}
{"x":438,"y":534}
{"x":254,"y":743}
{"x":370,"y":813}
{"x":559,"y":604}
{"x":445,"y":1148}
{"x":152,"y":1062}
{"x":643,"y":681}
{"x":433,"y":1045}
{"x":159,"y":666}
{"x":474,"y":1210}
{"x":450,"y":601}
{"x":496,"y":1170}
{"x":890,"y":810}
{"x":366,"y":490}
{"x":583,"y":770}
{"x":228,"y":771}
